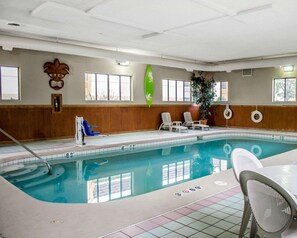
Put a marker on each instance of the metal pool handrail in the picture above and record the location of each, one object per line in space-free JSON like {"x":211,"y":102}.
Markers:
{"x":29,"y":150}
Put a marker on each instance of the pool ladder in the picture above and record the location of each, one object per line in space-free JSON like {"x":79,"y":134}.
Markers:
{"x":29,"y":150}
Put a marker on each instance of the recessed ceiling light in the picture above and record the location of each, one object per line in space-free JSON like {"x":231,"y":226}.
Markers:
{"x":289,"y":68}
{"x":13,"y":24}
{"x":123,"y":62}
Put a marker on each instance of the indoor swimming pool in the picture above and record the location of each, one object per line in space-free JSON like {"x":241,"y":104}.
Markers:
{"x":101,"y":178}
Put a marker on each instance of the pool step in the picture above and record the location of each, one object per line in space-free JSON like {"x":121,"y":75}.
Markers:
{"x":26,"y":176}
{"x":30,"y":175}
{"x":58,"y":171}
{"x":20,"y":172}
{"x":11,"y":168}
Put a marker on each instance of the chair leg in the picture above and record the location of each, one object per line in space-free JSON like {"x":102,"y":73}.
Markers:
{"x":160,"y":127}
{"x":253,"y":232}
{"x":245,"y":218}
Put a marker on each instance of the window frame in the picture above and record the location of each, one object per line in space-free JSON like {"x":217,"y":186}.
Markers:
{"x":108,"y":88}
{"x":176,"y":91}
{"x":220,"y":93}
{"x":285,"y":91}
{"x":18,"y":83}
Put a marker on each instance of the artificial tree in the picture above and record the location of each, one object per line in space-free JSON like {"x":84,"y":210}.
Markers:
{"x":203,"y":88}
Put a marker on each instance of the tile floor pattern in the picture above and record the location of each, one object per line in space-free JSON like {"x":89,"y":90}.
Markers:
{"x":216,"y":216}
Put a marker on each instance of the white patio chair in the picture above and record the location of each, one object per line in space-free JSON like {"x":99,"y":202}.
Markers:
{"x":193,"y":124}
{"x":273,"y":207}
{"x":242,"y":159}
{"x":167,"y":123}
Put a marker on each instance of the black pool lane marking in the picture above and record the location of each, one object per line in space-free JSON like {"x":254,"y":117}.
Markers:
{"x":189,"y":190}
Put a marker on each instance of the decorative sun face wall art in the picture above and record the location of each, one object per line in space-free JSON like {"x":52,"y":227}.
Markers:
{"x":57,"y":71}
{"x":149,"y":86}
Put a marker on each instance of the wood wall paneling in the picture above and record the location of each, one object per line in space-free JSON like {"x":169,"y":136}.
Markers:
{"x":282,"y":118}
{"x":38,"y":122}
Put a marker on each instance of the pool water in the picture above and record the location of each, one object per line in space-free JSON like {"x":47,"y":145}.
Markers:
{"x":95,"y":180}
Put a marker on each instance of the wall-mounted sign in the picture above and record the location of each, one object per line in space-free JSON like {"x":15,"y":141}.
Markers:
{"x":57,"y":71}
{"x":56,"y":103}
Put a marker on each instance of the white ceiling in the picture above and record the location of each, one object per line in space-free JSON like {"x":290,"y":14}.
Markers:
{"x":192,"y":34}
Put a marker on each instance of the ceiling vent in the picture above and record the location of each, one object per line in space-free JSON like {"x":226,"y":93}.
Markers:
{"x":247,"y":72}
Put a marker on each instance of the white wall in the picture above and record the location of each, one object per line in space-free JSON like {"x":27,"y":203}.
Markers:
{"x":254,"y":90}
{"x":35,"y":89}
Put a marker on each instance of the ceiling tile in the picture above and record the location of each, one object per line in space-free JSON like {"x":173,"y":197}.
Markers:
{"x":208,"y":30}
{"x":154,"y":15}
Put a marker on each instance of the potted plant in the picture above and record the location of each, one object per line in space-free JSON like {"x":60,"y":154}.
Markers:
{"x":203,"y":93}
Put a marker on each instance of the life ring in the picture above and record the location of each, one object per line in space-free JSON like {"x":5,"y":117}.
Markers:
{"x":258,"y":114}
{"x":227,"y":149}
{"x":227,"y":113}
{"x":256,"y":150}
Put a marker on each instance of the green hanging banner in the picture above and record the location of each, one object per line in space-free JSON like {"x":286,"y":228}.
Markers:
{"x":149,"y":86}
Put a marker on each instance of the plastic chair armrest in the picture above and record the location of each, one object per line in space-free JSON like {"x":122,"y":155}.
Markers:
{"x":177,"y":123}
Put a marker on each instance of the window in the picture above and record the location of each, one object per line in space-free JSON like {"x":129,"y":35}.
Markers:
{"x":187,"y":87}
{"x":172,"y":90}
{"x":104,"y":87}
{"x":9,"y":83}
{"x":284,"y":90}
{"x":221,"y":90}
{"x":176,"y":90}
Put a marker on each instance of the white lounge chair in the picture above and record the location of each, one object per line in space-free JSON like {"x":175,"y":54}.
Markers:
{"x":193,"y":124}
{"x":167,"y":123}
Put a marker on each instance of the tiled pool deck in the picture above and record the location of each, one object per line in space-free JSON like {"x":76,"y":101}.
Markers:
{"x":216,"y":216}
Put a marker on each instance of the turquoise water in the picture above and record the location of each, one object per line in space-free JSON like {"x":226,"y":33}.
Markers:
{"x":93,"y":180}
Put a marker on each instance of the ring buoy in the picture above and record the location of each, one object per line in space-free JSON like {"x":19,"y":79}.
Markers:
{"x":256,"y":150}
{"x":227,"y":113}
{"x":227,"y":149}
{"x":258,"y":114}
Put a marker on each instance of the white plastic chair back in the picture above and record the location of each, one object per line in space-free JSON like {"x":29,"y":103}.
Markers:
{"x":273,"y":206}
{"x":188,"y":117}
{"x":242,"y":159}
{"x":166,"y":118}
{"x":271,"y":210}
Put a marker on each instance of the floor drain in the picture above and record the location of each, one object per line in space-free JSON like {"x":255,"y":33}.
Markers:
{"x":56,"y":221}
